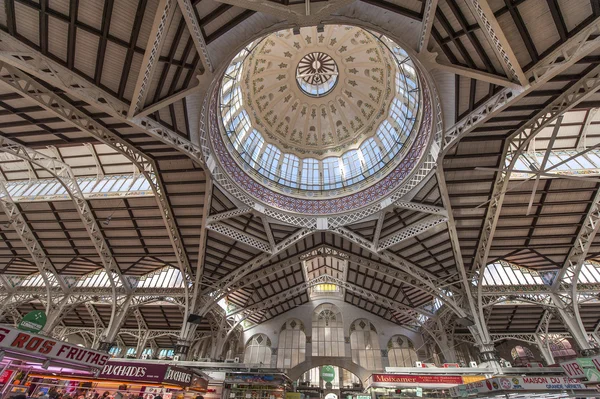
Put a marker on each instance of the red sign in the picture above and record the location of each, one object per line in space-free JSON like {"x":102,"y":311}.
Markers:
{"x":417,"y":379}
{"x":5,"y":377}
{"x":16,"y":341}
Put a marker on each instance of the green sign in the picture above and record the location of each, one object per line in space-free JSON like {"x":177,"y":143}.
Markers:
{"x":591,"y":373}
{"x":33,"y":321}
{"x":327,"y":373}
{"x":419,"y":392}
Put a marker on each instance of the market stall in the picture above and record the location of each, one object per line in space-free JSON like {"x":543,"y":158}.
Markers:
{"x":391,"y":386}
{"x":24,"y":353}
{"x":524,"y":387}
{"x":242,"y":385}
{"x":119,"y":379}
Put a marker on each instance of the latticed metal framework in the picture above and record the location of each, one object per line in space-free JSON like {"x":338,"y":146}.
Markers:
{"x":118,"y":221}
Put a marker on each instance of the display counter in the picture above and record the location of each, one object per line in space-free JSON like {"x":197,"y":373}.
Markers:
{"x":240,"y":385}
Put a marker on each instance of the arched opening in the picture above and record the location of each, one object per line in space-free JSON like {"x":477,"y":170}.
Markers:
{"x":258,"y":351}
{"x":329,"y":377}
{"x":364,"y":342}
{"x":328,"y":331}
{"x":562,"y":349}
{"x":292,"y":344}
{"x":401,"y":352}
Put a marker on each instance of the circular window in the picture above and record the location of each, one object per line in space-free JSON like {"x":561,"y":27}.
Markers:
{"x":317,"y":74}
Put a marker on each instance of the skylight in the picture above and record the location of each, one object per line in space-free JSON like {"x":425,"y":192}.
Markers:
{"x":560,"y":162}
{"x":133,"y":185}
{"x":504,"y":273}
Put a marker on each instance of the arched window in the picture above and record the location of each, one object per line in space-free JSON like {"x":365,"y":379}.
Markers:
{"x":521,"y":356}
{"x":401,"y":352}
{"x":364,"y":342}
{"x":562,"y":349}
{"x":327,"y":331}
{"x":258,"y":350}
{"x":292,"y":344}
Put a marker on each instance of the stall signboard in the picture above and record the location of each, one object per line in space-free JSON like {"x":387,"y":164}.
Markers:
{"x":534,"y":383}
{"x":328,"y":373}
{"x":397,"y":379}
{"x":21,"y":342}
{"x":33,"y":321}
{"x":583,"y":367}
{"x":146,"y":372}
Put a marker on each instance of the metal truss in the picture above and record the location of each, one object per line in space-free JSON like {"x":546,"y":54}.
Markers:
{"x":191,"y":19}
{"x":145,"y":336}
{"x":516,"y":144}
{"x":425,"y":281}
{"x":490,"y":27}
{"x":427,"y":24}
{"x":432,"y":209}
{"x":18,"y":54}
{"x":220,"y":288}
{"x":99,"y":326}
{"x":37,"y":253}
{"x":229,"y":214}
{"x":577,"y":47}
{"x":411,"y":231}
{"x":239,"y":235}
{"x":160,"y":26}
{"x":64,"y":173}
{"x":29,"y":88}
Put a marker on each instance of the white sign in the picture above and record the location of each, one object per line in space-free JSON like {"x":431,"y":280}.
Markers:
{"x":16,"y":341}
{"x":543,"y":383}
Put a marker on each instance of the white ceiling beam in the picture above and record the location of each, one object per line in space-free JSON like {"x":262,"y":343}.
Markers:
{"x":239,"y":235}
{"x":191,"y":20}
{"x":19,"y":55}
{"x":168,"y":101}
{"x":220,"y":288}
{"x":432,"y":209}
{"x":411,"y":230}
{"x":472,"y":73}
{"x":493,"y":32}
{"x":156,"y":39}
{"x":229,"y":214}
{"x":34,"y":247}
{"x":28,"y":88}
{"x":552,"y":65}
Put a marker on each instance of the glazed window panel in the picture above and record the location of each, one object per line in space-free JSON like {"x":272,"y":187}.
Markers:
{"x":328,"y":331}
{"x":292,"y":343}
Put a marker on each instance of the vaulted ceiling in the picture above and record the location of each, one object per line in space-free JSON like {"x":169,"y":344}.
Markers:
{"x":107,"y":45}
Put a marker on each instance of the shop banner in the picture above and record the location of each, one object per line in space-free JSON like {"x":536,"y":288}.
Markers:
{"x":416,"y":379}
{"x":132,"y":371}
{"x":543,"y":383}
{"x":146,"y":372}
{"x":13,"y":340}
{"x":583,"y":367}
{"x":178,"y":376}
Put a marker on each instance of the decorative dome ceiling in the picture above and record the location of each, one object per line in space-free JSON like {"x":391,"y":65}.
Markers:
{"x":318,"y":94}
{"x":338,"y":117}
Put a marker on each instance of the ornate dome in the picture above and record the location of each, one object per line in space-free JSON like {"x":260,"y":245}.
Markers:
{"x":318,"y":94}
{"x":321,"y":114}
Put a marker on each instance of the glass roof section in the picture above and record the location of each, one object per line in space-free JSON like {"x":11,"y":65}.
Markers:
{"x":372,"y":155}
{"x":571,"y":144}
{"x":166,"y":277}
{"x":92,"y":187}
{"x":504,"y":273}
